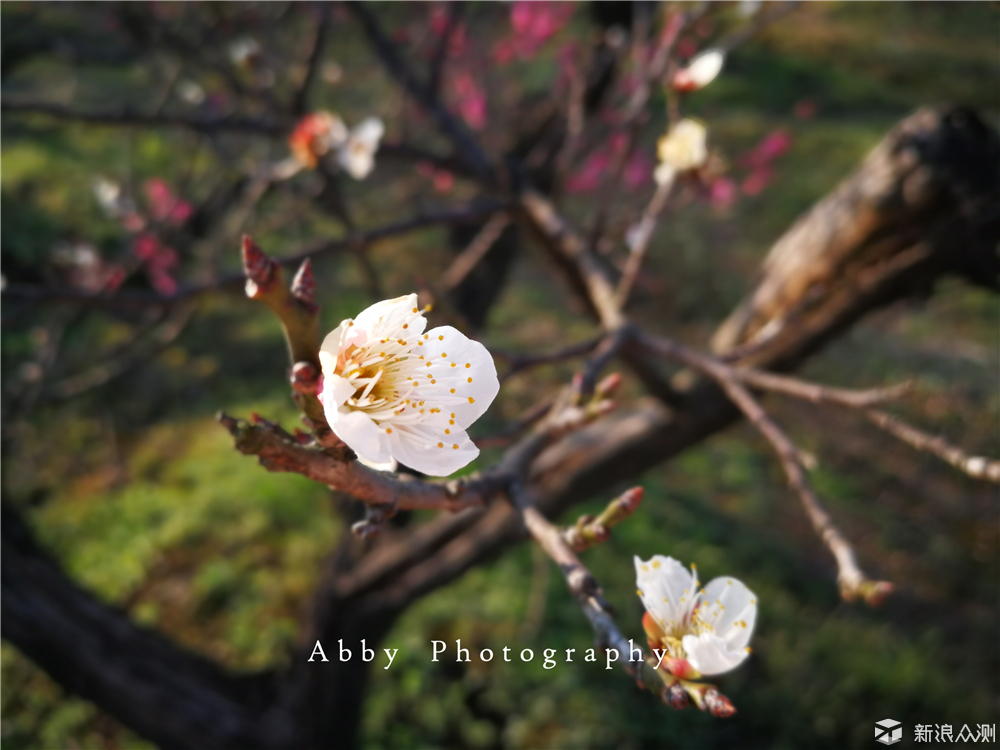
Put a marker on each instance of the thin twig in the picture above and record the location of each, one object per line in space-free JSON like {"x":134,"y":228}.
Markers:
{"x":128,"y":298}
{"x":977,"y":467}
{"x":853,"y":582}
{"x":127,"y":116}
{"x":474,"y":252}
{"x":455,"y":11}
{"x":277,"y":451}
{"x":583,"y":587}
{"x":639,"y":241}
{"x":520,"y":362}
{"x":300,"y":104}
{"x":450,"y":125}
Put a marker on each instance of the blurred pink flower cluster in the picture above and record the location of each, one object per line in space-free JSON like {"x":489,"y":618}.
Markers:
{"x":759,"y":161}
{"x":163,"y":205}
{"x":442,"y":179}
{"x":157,"y":259}
{"x":532,"y":23}
{"x":636,"y":172}
{"x":163,"y":208}
{"x":470,"y":99}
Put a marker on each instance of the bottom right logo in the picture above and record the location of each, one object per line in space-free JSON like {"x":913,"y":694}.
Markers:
{"x":888,"y":731}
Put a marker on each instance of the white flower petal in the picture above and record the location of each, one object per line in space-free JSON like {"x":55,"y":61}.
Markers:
{"x":336,"y":390}
{"x":361,"y":434}
{"x":710,"y":655}
{"x":331,"y":342}
{"x":706,"y":66}
{"x":369,"y":132}
{"x":390,"y":465}
{"x":357,"y":154}
{"x":664,"y":174}
{"x":388,"y":317}
{"x":458,"y":374}
{"x":336,"y":132}
{"x":428,"y":448}
{"x":730,"y":609}
{"x":667,"y":589}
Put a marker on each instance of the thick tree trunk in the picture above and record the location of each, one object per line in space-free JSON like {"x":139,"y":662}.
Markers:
{"x":924,"y":204}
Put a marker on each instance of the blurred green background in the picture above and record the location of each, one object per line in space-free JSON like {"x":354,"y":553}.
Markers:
{"x":140,"y":495}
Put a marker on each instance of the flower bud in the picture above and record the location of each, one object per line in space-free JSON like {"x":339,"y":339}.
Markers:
{"x":718,"y":705}
{"x":701,"y":71}
{"x":257,"y":266}
{"x":304,"y":285}
{"x":675,"y":696}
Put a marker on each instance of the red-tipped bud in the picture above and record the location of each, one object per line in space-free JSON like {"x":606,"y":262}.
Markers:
{"x":304,"y":285}
{"x":304,"y":378}
{"x":630,"y":499}
{"x":259,"y":268}
{"x":675,"y":696}
{"x":609,"y":385}
{"x":718,"y":705}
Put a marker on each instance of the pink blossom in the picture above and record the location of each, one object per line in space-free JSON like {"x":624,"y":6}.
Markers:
{"x":114,"y":278}
{"x":471,"y":100}
{"x":757,"y":180}
{"x":458,"y":39}
{"x":588,"y":177}
{"x":805,"y":109}
{"x":539,"y":20}
{"x":722,"y":192}
{"x":686,"y":47}
{"x":773,"y":145}
{"x":163,"y":282}
{"x":670,"y":30}
{"x":638,"y":170}
{"x":157,"y":259}
{"x":145,"y":246}
{"x":444,"y":181}
{"x":163,"y":204}
{"x":533,"y":22}
{"x":155,"y":254}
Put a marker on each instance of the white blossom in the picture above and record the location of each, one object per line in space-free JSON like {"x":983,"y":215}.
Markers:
{"x":393,"y":392}
{"x":190,"y":91}
{"x":242,"y":51}
{"x":111,"y":198}
{"x":682,"y":149}
{"x":708,"y":627}
{"x":356,"y":153}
